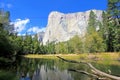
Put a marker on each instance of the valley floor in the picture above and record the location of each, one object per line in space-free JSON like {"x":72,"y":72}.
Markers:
{"x":85,"y":56}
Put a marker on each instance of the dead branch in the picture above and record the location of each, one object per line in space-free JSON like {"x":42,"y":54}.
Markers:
{"x":84,"y":72}
{"x":93,"y":69}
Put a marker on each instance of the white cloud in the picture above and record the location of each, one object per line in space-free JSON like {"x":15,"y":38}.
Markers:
{"x":21,"y":34}
{"x":36,"y":29}
{"x":20,"y":25}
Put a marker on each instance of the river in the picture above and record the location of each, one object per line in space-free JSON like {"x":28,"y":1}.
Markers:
{"x":56,"y":69}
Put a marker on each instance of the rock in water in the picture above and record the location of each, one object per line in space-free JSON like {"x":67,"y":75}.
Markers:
{"x":61,"y":27}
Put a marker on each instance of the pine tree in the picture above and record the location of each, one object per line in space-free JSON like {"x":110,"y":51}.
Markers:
{"x":35,"y":45}
{"x":6,"y":47}
{"x":93,"y":38}
{"x":92,"y":23}
{"x":113,"y":25}
{"x":27,"y":44}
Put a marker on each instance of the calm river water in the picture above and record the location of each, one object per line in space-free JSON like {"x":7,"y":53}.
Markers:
{"x":56,"y":69}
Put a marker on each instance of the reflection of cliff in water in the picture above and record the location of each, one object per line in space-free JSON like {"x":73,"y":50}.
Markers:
{"x":44,"y":73}
{"x":55,"y":69}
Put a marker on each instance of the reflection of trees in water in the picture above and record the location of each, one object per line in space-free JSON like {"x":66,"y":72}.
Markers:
{"x":50,"y":69}
{"x":12,"y":65}
{"x":8,"y":69}
{"x":34,"y":66}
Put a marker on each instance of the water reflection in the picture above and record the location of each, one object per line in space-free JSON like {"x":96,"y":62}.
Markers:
{"x":44,"y":73}
{"x":48,"y":69}
{"x":55,"y":69}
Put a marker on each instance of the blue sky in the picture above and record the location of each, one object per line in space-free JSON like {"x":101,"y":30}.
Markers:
{"x":32,"y":15}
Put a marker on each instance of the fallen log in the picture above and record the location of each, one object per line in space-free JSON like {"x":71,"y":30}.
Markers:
{"x":89,"y":74}
{"x":93,"y":69}
{"x":84,"y":72}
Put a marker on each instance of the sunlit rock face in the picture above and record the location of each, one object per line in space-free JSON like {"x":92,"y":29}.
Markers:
{"x":61,"y":27}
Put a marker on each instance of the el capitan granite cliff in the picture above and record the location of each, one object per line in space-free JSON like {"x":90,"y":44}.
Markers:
{"x":61,"y":27}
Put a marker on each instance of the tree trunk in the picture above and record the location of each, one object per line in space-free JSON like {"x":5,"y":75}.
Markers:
{"x":93,"y":69}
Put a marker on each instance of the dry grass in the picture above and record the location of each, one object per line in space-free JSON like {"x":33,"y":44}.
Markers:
{"x":95,"y":56}
{"x":51,"y":56}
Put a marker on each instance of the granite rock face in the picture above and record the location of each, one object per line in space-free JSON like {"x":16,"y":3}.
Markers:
{"x":61,"y":27}
{"x":40,"y":36}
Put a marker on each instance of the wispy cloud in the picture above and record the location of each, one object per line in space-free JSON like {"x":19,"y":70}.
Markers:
{"x":20,"y":25}
{"x":5,"y":5}
{"x":9,"y":5}
{"x":36,"y":29}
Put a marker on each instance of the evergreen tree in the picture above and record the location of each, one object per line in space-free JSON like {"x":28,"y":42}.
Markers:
{"x":27,"y":44}
{"x":36,"y":45}
{"x":18,"y":42}
{"x":104,"y":28}
{"x":93,"y":38}
{"x":6,"y":47}
{"x":50,"y":48}
{"x":92,"y":23}
{"x":113,"y":41}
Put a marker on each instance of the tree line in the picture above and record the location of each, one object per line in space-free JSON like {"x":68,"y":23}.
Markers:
{"x":104,"y":39}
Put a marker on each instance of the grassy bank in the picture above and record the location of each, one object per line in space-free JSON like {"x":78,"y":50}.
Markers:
{"x":95,"y":56}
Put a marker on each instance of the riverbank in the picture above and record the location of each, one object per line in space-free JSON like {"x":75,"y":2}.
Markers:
{"x":95,"y":56}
